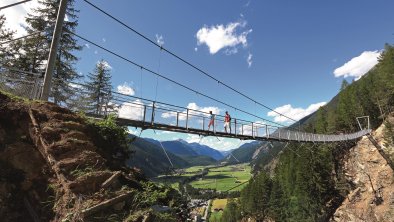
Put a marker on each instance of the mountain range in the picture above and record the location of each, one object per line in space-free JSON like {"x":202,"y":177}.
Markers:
{"x":150,"y":157}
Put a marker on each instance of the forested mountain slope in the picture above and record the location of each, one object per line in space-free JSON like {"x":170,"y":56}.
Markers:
{"x":309,"y":183}
{"x":244,"y":153}
{"x":151,"y":159}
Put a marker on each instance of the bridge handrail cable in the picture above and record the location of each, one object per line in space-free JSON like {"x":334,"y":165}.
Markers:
{"x":184,"y":60}
{"x":173,"y":81}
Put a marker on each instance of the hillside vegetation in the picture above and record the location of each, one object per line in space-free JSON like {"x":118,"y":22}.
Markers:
{"x":309,"y":183}
{"x":59,"y":166}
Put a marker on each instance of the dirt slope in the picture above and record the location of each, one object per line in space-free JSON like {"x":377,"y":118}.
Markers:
{"x":372,"y":180}
{"x":52,"y":169}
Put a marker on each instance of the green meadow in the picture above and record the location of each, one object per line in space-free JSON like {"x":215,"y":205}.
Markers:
{"x":224,"y":178}
{"x":219,"y":178}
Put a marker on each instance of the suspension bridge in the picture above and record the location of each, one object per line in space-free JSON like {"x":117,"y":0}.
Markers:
{"x":133,"y":111}
{"x":144,"y":113}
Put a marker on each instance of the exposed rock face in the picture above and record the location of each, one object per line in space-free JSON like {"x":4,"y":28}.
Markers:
{"x":372,"y":198}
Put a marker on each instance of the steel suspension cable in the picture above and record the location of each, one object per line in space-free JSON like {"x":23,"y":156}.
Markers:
{"x":14,"y":4}
{"x":19,"y":38}
{"x":185,"y":61}
{"x":172,"y":81}
{"x":157,"y":78}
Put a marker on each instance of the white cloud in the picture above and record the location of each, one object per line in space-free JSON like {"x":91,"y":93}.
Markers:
{"x":222,"y":144}
{"x":195,"y":49}
{"x":76,"y":86}
{"x":159,"y":39}
{"x":294,"y":113}
{"x":126,"y":89}
{"x":133,"y":131}
{"x":231,"y":51}
{"x":194,"y":109}
{"x":104,"y":40}
{"x":66,"y":18}
{"x":249,"y":59}
{"x":358,"y":66}
{"x":87,"y":45}
{"x":15,"y":16}
{"x":221,"y":36}
{"x":105,"y":63}
{"x":168,"y":132}
{"x":95,"y":52}
{"x":214,"y":109}
{"x":131,"y":110}
{"x":247,"y":129}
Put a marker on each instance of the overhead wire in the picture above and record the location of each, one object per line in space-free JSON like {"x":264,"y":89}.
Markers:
{"x":185,"y":61}
{"x":171,"y":80}
{"x":157,"y":78}
{"x":19,"y":38}
{"x":165,"y":152}
{"x":14,"y":4}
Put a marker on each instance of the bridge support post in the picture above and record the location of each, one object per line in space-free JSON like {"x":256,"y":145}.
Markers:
{"x":252,"y":131}
{"x":203,"y":123}
{"x":266,"y":131}
{"x":177,"y":118}
{"x":235,"y":124}
{"x":152,"y":120}
{"x":144,"y":117}
{"x":187,"y":118}
{"x":57,"y":34}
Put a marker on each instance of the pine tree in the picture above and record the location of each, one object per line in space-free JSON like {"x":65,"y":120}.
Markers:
{"x":231,"y":213}
{"x":344,"y":84}
{"x":277,"y":202}
{"x":321,"y":120}
{"x":6,"y":49}
{"x":99,"y":86}
{"x":35,"y":50}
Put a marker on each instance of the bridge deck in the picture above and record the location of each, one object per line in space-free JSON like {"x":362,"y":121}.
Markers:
{"x":279,"y":135}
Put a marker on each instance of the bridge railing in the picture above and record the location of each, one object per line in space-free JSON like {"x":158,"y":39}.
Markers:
{"x":20,"y":83}
{"x":151,"y":112}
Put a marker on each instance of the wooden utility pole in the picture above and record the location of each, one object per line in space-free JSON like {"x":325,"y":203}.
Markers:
{"x":52,"y":53}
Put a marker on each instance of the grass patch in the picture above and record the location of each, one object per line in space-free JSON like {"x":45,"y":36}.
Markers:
{"x":219,"y":178}
{"x":215,"y":216}
{"x":218,"y":204}
{"x":224,"y":178}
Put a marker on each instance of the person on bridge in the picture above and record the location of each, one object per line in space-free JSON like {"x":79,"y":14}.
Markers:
{"x":211,"y":121}
{"x":227,"y":122}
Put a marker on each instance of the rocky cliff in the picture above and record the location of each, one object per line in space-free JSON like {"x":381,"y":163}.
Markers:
{"x":372,"y":182}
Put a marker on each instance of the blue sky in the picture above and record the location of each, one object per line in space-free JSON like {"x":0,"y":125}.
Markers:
{"x":289,"y":55}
